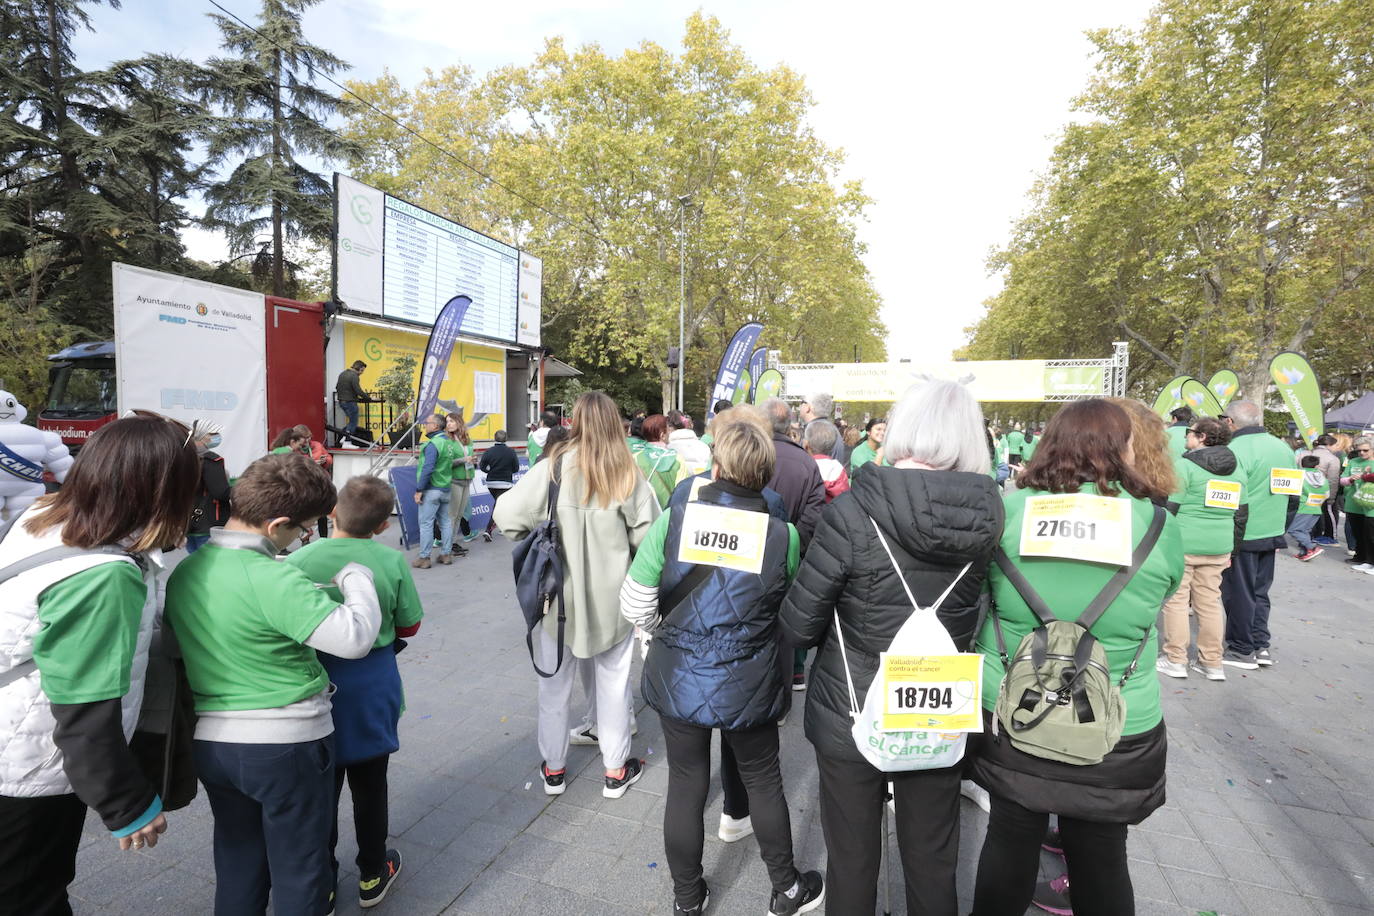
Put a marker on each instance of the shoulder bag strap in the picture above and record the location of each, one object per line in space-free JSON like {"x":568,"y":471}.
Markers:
{"x":1093,"y":612}
{"x":1028,"y":594}
{"x":854,"y":709}
{"x":910,"y":597}
{"x":562,"y":608}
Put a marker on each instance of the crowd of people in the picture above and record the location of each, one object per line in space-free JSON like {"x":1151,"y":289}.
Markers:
{"x":729,"y":556}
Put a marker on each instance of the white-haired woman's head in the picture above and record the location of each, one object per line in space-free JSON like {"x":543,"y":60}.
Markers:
{"x":938,"y":424}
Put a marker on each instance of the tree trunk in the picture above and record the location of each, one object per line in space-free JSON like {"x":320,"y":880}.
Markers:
{"x":69,"y":168}
{"x":278,"y":265}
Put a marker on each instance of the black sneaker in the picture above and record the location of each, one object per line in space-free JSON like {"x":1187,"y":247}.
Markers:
{"x":1264,"y":659}
{"x":680,"y":910}
{"x":1052,"y":843}
{"x":799,"y":681}
{"x":554,"y":783}
{"x":616,"y":786}
{"x":372,"y":890}
{"x":807,"y":894}
{"x":486,"y":536}
{"x":1242,"y":660}
{"x":1053,"y":896}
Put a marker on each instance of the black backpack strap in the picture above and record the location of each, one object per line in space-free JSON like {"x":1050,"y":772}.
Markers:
{"x":548,"y":599}
{"x":684,"y":588}
{"x":1038,"y":607}
{"x":1093,"y":612}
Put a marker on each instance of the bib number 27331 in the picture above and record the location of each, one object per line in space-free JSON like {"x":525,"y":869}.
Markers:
{"x":1077,"y":526}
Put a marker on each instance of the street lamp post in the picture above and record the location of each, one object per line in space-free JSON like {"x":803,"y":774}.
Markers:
{"x":682,"y":203}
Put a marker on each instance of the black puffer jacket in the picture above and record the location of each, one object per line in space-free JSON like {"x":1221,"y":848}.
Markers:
{"x":935,"y":522}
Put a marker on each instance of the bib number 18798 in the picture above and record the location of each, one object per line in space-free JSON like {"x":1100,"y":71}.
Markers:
{"x":715,"y":540}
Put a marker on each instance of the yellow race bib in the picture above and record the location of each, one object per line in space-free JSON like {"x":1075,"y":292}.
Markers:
{"x":1285,"y":481}
{"x":1078,"y":526}
{"x":720,"y":536}
{"x":1222,"y":494}
{"x":939,"y":693}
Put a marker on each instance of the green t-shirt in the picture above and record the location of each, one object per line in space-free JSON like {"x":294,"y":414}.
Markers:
{"x":461,"y":469}
{"x":1177,"y":435}
{"x":661,"y":467}
{"x":1359,"y":496}
{"x":533,"y":449}
{"x":1259,"y":454}
{"x":1068,"y":586}
{"x":283,"y":450}
{"x":242,"y":619}
{"x":1206,"y":530}
{"x":1028,"y":449}
{"x":88,"y":633}
{"x":396,"y":593}
{"x":1016,"y":443}
{"x":1315,"y":489}
{"x":647,"y":568}
{"x":863,"y":453}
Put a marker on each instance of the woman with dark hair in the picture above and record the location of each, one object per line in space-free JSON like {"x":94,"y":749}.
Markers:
{"x":656,"y":460}
{"x":78,"y":603}
{"x":291,"y":440}
{"x":1086,"y":449}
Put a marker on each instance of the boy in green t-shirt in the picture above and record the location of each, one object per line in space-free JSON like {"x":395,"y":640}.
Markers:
{"x":1315,"y":489}
{"x":367,"y":697}
{"x":249,"y":627}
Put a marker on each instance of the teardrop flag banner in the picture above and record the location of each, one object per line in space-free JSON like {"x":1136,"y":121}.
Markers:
{"x":733,"y":364}
{"x":758,"y":361}
{"x":1196,"y":396}
{"x":1224,"y":385}
{"x":1171,"y":396}
{"x":743,"y":389}
{"x":441,"y":339}
{"x":1297,"y":383}
{"x":768,"y":386}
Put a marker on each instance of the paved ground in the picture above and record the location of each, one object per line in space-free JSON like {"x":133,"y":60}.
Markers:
{"x":1271,"y":796}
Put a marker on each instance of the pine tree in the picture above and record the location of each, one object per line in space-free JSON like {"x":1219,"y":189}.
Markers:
{"x":273,"y":114}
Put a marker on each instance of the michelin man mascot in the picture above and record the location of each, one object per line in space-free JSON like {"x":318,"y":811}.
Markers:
{"x":24,"y":453}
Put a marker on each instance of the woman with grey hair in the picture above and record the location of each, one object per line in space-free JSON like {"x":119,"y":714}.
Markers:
{"x":935,"y":509}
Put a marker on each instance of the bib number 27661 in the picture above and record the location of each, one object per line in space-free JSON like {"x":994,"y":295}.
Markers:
{"x":1077,"y":526}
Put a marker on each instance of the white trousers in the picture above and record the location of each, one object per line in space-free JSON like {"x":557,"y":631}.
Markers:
{"x":586,"y":678}
{"x":611,"y":681}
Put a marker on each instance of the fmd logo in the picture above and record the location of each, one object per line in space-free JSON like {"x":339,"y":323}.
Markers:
{"x":171,"y":319}
{"x":196,"y":399}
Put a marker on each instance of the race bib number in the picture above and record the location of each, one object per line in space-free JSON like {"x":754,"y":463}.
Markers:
{"x":1222,"y":494}
{"x":932,"y":692}
{"x":1285,"y":481}
{"x":1078,"y":526}
{"x":1315,"y":500}
{"x":719,"y":536}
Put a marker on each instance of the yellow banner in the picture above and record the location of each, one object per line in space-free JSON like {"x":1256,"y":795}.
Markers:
{"x":475,"y":379}
{"x":988,"y":380}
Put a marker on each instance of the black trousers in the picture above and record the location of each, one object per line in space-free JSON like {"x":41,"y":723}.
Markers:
{"x":39,"y":838}
{"x":852,"y":797}
{"x":1362,"y":527}
{"x":735,"y":797}
{"x":1245,"y":597}
{"x":367,"y":786}
{"x":689,"y":779}
{"x":496,"y":495}
{"x":1099,"y":879}
{"x":1326,"y":523}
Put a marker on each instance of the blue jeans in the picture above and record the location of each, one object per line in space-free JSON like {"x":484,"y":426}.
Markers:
{"x":1300,"y":530}
{"x":274,"y":809}
{"x":350,"y":409}
{"x":434,"y":507}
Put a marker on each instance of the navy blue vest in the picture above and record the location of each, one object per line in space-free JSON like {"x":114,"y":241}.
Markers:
{"x":714,"y":661}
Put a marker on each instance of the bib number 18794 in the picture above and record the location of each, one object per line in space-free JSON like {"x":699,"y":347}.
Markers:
{"x":935,"y":697}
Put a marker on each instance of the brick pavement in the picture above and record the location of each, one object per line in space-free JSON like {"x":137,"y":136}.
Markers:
{"x":1271,"y":795}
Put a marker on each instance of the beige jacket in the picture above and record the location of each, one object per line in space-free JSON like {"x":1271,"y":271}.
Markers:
{"x":598,"y":545}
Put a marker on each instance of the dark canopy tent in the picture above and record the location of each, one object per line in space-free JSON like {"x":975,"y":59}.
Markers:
{"x":1358,"y":414}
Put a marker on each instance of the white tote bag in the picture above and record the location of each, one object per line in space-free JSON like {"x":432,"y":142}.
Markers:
{"x":922,"y":634}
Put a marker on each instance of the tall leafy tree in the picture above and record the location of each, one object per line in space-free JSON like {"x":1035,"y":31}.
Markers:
{"x":1214,"y":206}
{"x":274,"y":115}
{"x":617,"y":168}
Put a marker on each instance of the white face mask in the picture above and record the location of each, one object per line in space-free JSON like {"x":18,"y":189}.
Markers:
{"x":214,"y":441}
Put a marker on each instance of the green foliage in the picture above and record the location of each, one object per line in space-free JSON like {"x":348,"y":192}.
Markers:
{"x":1214,"y":204}
{"x":273,"y":113}
{"x":632,"y":156}
{"x":397,"y":384}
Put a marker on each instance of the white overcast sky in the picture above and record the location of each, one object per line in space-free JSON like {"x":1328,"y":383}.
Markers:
{"x":945,"y":111}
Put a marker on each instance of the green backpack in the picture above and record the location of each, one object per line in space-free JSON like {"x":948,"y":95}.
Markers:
{"x":1057,"y":700}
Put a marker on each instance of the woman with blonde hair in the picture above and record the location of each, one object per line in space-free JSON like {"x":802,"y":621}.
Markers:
{"x":604,"y":509}
{"x":464,"y":460}
{"x":1152,"y":461}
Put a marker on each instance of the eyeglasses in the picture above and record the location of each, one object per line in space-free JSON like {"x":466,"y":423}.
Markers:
{"x":1362,"y":451}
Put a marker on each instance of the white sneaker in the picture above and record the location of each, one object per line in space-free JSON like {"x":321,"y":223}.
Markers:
{"x":976,"y":794}
{"x":347,"y":444}
{"x":733,"y":830}
{"x":1212,"y":674}
{"x":1370,"y":571}
{"x":582,"y":736}
{"x":1171,"y":669}
{"x":1362,"y":567}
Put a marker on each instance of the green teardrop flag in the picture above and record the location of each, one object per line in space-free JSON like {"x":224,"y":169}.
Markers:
{"x":1196,"y":396}
{"x":768,"y":386}
{"x":1171,"y":396}
{"x":1224,"y":385}
{"x":1302,"y":395}
{"x":742,"y":389}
